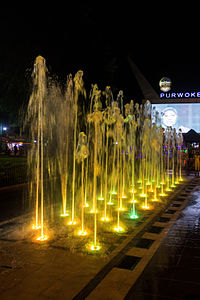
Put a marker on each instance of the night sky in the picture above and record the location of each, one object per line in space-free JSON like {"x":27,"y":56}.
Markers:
{"x":162,"y":40}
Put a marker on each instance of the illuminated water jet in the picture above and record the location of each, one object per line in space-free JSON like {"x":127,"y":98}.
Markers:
{"x":103,"y":151}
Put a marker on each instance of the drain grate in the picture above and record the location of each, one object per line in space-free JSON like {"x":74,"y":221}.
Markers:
{"x":175,"y":205}
{"x":183,"y":195}
{"x":128,"y":262}
{"x":163,"y":220}
{"x":144,"y":243}
{"x":7,"y":240}
{"x":155,"y":229}
{"x":5,"y":267}
{"x":138,"y":224}
{"x":8,"y":225}
{"x":170,"y":211}
{"x":180,"y":199}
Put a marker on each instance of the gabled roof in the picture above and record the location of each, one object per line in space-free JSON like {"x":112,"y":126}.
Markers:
{"x":191,"y":137}
{"x":146,"y":88}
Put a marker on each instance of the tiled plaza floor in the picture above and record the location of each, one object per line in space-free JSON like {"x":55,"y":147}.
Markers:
{"x":174,"y":271}
{"x":32,"y":271}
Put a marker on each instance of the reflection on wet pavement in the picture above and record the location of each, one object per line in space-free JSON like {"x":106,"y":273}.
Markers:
{"x":174,"y":271}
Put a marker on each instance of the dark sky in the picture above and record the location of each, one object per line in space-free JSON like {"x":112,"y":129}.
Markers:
{"x":162,"y":39}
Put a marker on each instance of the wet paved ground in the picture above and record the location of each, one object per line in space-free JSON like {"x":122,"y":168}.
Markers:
{"x":174,"y":271}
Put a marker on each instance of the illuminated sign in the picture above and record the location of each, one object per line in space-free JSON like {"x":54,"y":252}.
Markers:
{"x":184,"y":116}
{"x":180,"y":95}
{"x":165,"y":84}
{"x":169,"y":116}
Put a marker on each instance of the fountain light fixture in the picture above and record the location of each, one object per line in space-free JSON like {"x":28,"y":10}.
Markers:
{"x":72,"y":223}
{"x":114,"y":193}
{"x":145,"y":207}
{"x":143,"y":195}
{"x":42,"y":238}
{"x":35,"y":227}
{"x":64,"y":215}
{"x":133,"y":201}
{"x":82,"y":233}
{"x":105,"y":219}
{"x":92,"y":211}
{"x":155,"y":200}
{"x":95,"y":247}
{"x":134,"y":216}
{"x":118,"y":229}
{"x":121,"y":209}
{"x":110,"y":203}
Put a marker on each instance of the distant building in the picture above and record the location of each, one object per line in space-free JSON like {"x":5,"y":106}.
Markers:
{"x":179,"y":109}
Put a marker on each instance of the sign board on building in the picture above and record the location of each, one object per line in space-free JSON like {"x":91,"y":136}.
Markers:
{"x":180,"y":95}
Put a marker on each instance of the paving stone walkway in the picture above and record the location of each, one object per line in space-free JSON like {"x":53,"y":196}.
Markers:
{"x":30,"y":271}
{"x":174,"y":271}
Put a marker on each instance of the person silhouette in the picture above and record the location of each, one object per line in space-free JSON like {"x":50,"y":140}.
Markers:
{"x":15,"y":149}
